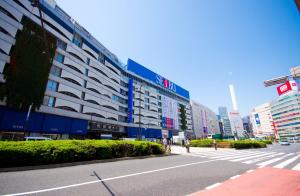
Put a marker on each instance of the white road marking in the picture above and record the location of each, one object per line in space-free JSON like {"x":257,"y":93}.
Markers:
{"x":251,"y":170}
{"x":235,"y":155}
{"x":287,"y":162}
{"x":234,"y":177}
{"x":251,"y":157}
{"x":262,"y":158}
{"x":273,"y":160}
{"x":108,"y":179}
{"x":297,"y":167}
{"x":239,"y":156}
{"x":212,"y":186}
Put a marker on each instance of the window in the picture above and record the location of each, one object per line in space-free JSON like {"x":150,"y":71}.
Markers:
{"x":122,"y":109}
{"x":84,"y":83}
{"x":147,"y":93}
{"x":77,"y":40}
{"x":88,"y":60}
{"x":82,"y":95}
{"x":123,"y":92}
{"x":122,"y":118}
{"x":52,"y":86}
{"x":158,"y":97}
{"x":56,"y":71}
{"x":101,"y":58}
{"x":159,"y":103}
{"x":86,"y":72}
{"x":159,"y":110}
{"x":124,"y":84}
{"x":59,"y":57}
{"x":147,"y":107}
{"x":49,"y":101}
{"x":147,"y":100}
{"x":60,"y":44}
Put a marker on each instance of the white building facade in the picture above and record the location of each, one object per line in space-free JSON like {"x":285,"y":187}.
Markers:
{"x":87,"y":84}
{"x":262,"y":121}
{"x":204,"y":120}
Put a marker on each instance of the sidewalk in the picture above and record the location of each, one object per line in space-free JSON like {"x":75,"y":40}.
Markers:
{"x":266,"y":182}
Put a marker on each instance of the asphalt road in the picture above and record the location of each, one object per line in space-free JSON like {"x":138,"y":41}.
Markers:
{"x":169,"y":175}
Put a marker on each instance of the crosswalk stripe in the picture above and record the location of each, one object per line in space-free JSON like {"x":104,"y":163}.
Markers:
{"x":273,"y":160}
{"x":297,"y":167}
{"x":215,"y":153}
{"x":251,"y":157}
{"x":287,"y":162}
{"x":239,"y":156}
{"x":235,"y":155}
{"x":262,"y":158}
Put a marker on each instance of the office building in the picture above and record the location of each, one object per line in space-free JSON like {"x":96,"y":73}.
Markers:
{"x":285,"y":110}
{"x":86,"y":91}
{"x":225,"y":121}
{"x":204,"y":121}
{"x":262,"y":120}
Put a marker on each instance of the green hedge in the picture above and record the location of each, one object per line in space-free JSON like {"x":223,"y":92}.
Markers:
{"x":267,"y":141}
{"x":61,"y":151}
{"x":241,"y":144}
{"x":202,"y":143}
{"x":244,"y":144}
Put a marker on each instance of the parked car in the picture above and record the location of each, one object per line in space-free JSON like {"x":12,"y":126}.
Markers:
{"x":284,"y":142}
{"x":36,"y":138}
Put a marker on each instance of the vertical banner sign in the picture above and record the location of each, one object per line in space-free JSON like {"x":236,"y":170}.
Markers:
{"x":130,"y":100}
{"x":169,"y":113}
{"x":257,"y":120}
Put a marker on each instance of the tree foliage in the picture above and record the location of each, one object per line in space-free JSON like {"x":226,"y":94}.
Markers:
{"x":27,"y":73}
{"x":183,"y":117}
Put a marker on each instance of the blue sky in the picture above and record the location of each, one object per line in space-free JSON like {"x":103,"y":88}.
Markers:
{"x":199,"y":43}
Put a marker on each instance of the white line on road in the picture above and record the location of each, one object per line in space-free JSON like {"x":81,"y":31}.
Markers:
{"x":249,"y":171}
{"x":262,"y":158}
{"x":297,"y":167}
{"x":273,"y":160}
{"x":108,"y":179}
{"x":251,"y":157}
{"x":212,"y":186}
{"x":287,"y":162}
{"x":234,"y":177}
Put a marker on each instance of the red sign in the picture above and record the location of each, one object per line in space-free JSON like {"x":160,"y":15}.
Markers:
{"x":284,"y":88}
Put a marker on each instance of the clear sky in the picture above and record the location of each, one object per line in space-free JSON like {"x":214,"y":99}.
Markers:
{"x":201,"y":45}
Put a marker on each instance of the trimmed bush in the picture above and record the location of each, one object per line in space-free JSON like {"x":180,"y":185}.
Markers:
{"x":202,"y":143}
{"x":267,"y":141}
{"x":241,"y":144}
{"x":25,"y":153}
{"x":248,"y":144}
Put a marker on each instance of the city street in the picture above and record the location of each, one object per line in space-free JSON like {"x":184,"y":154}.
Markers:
{"x":178,"y":174}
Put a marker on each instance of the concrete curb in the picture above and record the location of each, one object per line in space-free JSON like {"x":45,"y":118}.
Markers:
{"x":50,"y":166}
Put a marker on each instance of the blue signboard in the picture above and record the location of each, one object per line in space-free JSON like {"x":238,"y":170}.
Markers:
{"x":154,"y":77}
{"x":257,"y":120}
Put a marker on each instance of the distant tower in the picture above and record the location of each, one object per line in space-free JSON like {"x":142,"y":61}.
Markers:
{"x":233,"y":97}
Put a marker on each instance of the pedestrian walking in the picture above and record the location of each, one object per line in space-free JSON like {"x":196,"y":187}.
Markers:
{"x":187,"y":145}
{"x":215,"y":144}
{"x":165,"y":143}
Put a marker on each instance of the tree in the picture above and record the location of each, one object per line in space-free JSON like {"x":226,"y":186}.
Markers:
{"x":183,"y":117}
{"x":27,"y":73}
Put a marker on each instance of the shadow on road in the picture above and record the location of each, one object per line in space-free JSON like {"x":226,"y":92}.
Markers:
{"x":105,"y":185}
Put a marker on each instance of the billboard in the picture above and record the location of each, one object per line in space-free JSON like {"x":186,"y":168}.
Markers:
{"x":169,"y":113}
{"x":156,"y":78}
{"x":257,"y":120}
{"x":286,"y":87}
